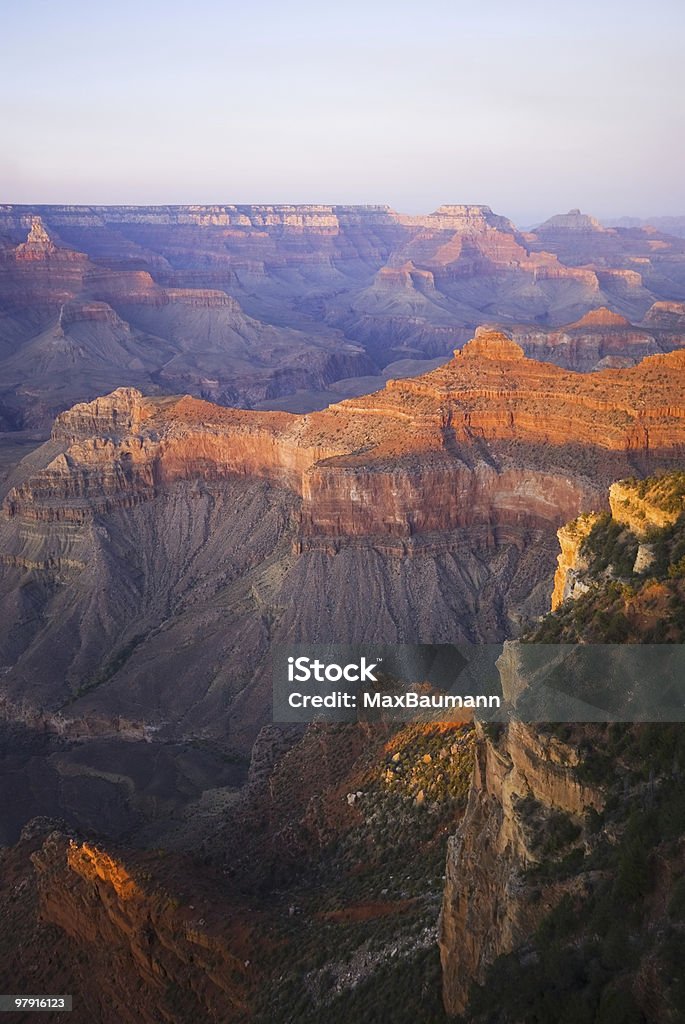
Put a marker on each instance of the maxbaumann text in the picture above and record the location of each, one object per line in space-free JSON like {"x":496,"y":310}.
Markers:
{"x":405,"y":701}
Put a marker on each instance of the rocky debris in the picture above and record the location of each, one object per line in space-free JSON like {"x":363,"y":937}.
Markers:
{"x":334,"y":978}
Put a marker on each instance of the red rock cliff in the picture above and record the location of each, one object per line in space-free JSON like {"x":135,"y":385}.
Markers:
{"x":491,"y":437}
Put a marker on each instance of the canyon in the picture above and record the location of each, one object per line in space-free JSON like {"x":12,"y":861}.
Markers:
{"x":297,"y":307}
{"x":154,"y":549}
{"x":226,"y":428}
{"x":317,"y":891}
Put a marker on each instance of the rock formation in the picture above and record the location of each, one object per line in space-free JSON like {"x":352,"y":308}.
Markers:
{"x":667,"y":315}
{"x":403,"y":461}
{"x":147,"y":527}
{"x":250,"y":304}
{"x":574,"y":220}
{"x":600,"y":339}
{"x":264,"y":907}
{"x":554,"y":809}
{"x":520,"y":782}
{"x":127,"y":949}
{"x":645,"y":508}
{"x":571,"y":563}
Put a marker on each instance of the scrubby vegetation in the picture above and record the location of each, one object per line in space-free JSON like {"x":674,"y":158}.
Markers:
{"x":110,"y":667}
{"x":615,"y":943}
{"x":357,"y":940}
{"x":621,"y":928}
{"x":404,"y":992}
{"x":621,"y":605}
{"x":664,"y":491}
{"x":610,"y":545}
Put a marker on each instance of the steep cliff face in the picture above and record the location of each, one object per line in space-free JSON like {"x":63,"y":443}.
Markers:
{"x":155,"y":549}
{"x":406,"y":460}
{"x":571,"y":564}
{"x":314,"y":217}
{"x":123,"y":933}
{"x":598,"y":919}
{"x":524,"y":785}
{"x":564,"y":872}
{"x":647,"y":507}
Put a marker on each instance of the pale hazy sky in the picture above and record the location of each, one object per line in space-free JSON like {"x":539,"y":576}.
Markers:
{"x":532,"y":106}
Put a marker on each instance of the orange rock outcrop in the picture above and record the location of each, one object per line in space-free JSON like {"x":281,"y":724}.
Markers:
{"x":491,"y":437}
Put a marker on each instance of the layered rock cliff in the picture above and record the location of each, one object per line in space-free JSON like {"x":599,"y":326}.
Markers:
{"x":525,"y":787}
{"x":571,"y":846}
{"x":571,"y":563}
{"x":647,"y":507}
{"x":600,"y":339}
{"x":175,"y":532}
{"x":248,"y":304}
{"x":408,"y":460}
{"x":73,"y":322}
{"x":38,"y":275}
{"x":133,"y":935}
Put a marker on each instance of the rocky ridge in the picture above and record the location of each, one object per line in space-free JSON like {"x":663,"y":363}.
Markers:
{"x":377,"y":464}
{"x":180,"y":533}
{"x":247,"y":305}
{"x":601,"y":339}
{"x":569,"y":825}
{"x":523,"y":783}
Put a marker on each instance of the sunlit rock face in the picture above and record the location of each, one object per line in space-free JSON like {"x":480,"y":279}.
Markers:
{"x":488,"y":907}
{"x":126,"y":946}
{"x":178,"y":534}
{"x":247,"y":305}
{"x":643,"y":509}
{"x":404,"y":461}
{"x":571,"y":562}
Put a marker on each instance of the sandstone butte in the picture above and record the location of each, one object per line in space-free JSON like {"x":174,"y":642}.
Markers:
{"x":490,"y":436}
